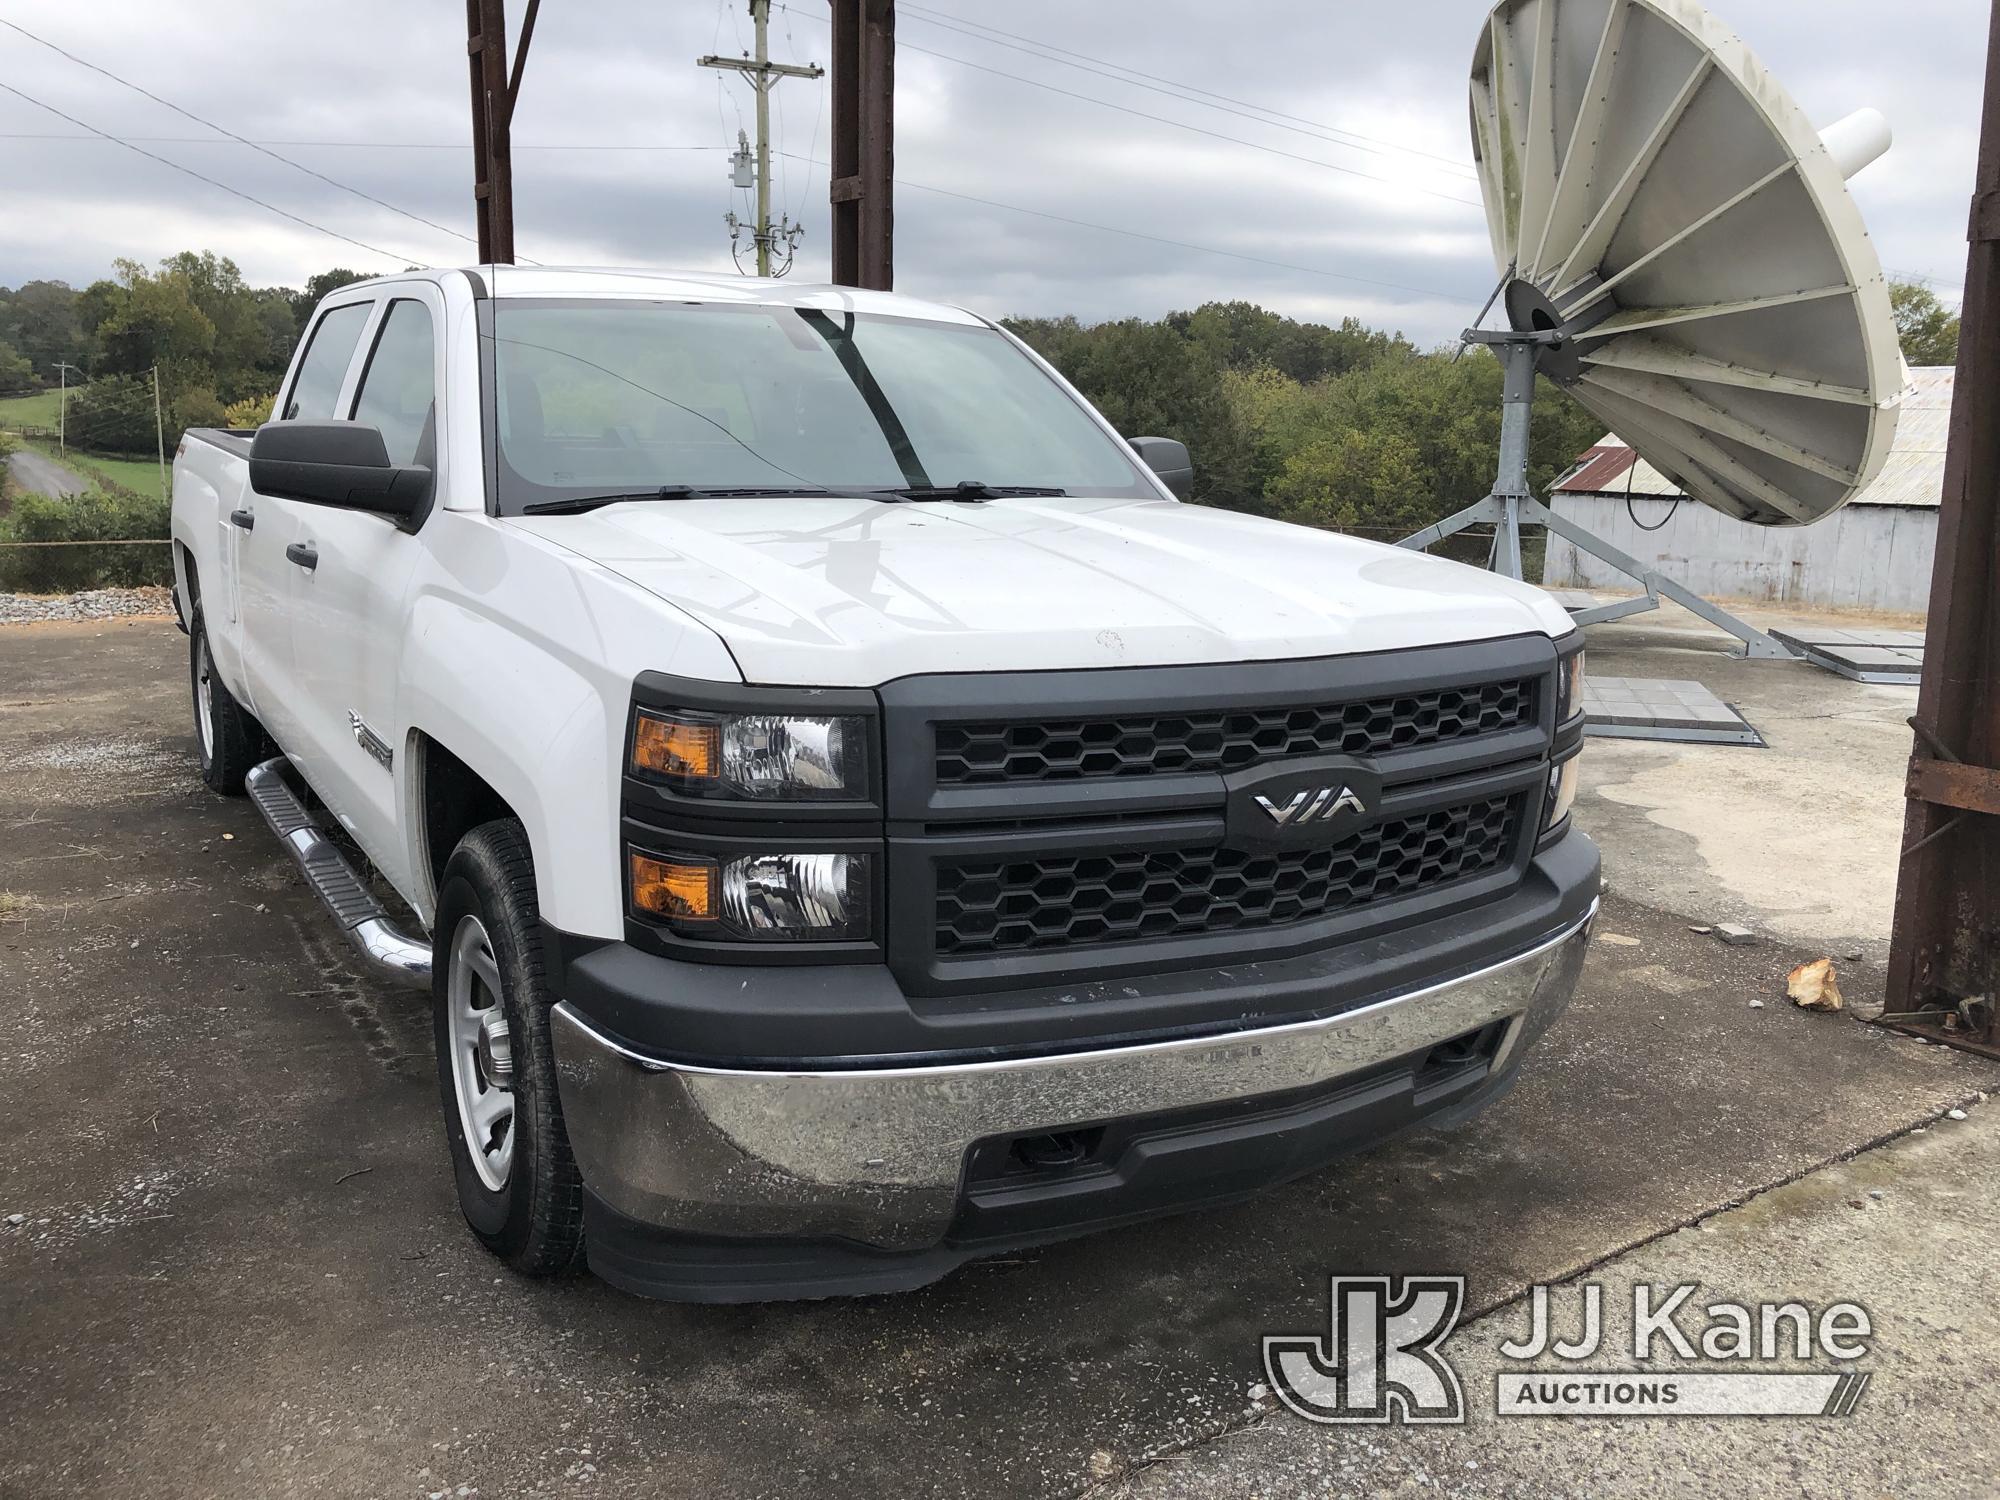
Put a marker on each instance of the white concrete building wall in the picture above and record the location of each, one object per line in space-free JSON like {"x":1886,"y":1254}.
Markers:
{"x":1861,"y":557}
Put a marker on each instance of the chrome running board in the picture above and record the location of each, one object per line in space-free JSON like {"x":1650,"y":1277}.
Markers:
{"x":384,"y":949}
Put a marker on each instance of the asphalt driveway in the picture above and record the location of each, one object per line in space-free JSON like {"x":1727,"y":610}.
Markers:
{"x":43,"y":475}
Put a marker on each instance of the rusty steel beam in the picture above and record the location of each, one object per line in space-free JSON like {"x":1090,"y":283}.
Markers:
{"x":1946,"y":942}
{"x":861,"y":186}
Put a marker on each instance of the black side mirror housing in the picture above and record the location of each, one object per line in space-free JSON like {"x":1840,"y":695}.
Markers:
{"x":1169,"y":460}
{"x":335,"y":463}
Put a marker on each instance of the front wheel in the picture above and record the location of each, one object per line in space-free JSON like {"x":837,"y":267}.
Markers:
{"x":229,"y":739}
{"x":518,"y":1185}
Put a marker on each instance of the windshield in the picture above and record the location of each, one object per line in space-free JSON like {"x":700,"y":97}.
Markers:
{"x":596,"y":397}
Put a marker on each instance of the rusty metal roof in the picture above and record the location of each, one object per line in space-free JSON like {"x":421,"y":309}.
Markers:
{"x":1912,"y":476}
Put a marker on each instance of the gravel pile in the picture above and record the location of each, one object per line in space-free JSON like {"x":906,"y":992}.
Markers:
{"x":91,"y":604}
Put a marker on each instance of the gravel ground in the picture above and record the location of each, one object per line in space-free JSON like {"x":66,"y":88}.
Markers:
{"x":91,"y":604}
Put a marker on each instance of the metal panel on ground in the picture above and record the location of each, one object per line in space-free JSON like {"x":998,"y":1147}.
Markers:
{"x":1662,"y":708}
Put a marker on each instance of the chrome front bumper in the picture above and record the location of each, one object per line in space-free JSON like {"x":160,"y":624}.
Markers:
{"x":877,"y":1155}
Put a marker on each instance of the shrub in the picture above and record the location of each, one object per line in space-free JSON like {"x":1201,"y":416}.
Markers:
{"x":251,"y":411}
{"x":198,"y":406}
{"x":98,"y":516}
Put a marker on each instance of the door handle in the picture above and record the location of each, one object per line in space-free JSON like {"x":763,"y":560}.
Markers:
{"x":304,"y":554}
{"x":247,"y":519}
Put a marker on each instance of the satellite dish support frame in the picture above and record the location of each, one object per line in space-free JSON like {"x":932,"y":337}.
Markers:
{"x":1510,"y":504}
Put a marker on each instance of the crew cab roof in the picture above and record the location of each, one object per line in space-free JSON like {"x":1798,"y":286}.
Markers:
{"x":509,"y":282}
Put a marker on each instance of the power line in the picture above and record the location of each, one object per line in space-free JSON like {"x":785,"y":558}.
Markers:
{"x":391,"y":255}
{"x":1925,"y":279}
{"x":232,"y":135}
{"x":960,"y":22}
{"x":1173,"y":89}
{"x":1157,"y":239}
{"x":209,"y":140}
{"x":1235,"y":140}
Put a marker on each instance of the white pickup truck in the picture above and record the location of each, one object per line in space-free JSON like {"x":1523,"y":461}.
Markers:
{"x":849,"y":814}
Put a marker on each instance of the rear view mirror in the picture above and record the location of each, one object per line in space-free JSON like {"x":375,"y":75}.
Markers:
{"x":335,"y":463}
{"x":1169,"y":460}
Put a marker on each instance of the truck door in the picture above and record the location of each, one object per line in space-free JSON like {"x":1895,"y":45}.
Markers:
{"x":268,"y":530}
{"x":347,"y":630}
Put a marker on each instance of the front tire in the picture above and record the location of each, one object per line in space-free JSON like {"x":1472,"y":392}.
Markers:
{"x":518,"y":1184}
{"x":229,"y":740}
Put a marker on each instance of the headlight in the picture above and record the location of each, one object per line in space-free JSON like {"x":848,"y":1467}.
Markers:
{"x":811,"y":897}
{"x":1563,"y":777}
{"x":768,"y":757}
{"x":1569,"y":688}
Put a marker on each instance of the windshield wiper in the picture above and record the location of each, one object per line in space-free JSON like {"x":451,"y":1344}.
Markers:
{"x":973,"y":489}
{"x":576,"y":504}
{"x":969,"y":489}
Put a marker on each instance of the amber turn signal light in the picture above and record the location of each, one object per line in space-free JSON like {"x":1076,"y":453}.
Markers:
{"x":680,"y":892}
{"x":676,"y":748}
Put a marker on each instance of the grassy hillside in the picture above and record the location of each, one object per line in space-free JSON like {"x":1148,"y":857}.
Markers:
{"x":139,"y":475}
{"x":38,"y":410}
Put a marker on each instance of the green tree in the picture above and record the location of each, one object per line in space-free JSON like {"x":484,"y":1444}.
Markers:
{"x":1148,"y":380}
{"x":326,"y":282}
{"x":16,"y":372}
{"x":1927,"y":328}
{"x":143,"y":320}
{"x":1244,"y":336}
{"x":195,"y":406}
{"x":39,"y":319}
{"x":240,"y":350}
{"x":113,"y":414}
{"x":1347,"y":480}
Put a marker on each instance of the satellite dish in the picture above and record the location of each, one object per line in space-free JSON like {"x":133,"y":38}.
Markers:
{"x":1657,"y":200}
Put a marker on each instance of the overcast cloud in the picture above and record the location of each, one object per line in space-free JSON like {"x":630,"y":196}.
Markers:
{"x":381,"y":88}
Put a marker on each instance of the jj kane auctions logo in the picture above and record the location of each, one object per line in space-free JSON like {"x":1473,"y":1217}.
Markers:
{"x":1381,"y":1358}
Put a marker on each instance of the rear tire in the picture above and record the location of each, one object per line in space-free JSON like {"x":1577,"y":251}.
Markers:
{"x":229,"y":740}
{"x":518,"y":1184}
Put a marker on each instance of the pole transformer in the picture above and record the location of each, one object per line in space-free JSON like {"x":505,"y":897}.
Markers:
{"x":764,"y":75}
{"x":494,"y":90}
{"x":861,"y":182}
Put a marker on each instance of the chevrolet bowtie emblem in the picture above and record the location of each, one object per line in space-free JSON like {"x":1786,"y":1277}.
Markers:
{"x":1312,"y":805}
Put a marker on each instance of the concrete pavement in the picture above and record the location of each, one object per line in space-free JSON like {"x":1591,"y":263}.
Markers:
{"x":1906,"y":1230}
{"x":239,"y":1269}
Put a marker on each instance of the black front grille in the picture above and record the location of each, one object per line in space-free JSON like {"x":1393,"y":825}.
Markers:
{"x":1061,"y":901}
{"x":1224,"y":740}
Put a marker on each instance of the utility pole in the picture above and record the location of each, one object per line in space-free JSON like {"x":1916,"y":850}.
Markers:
{"x":1944,"y":951}
{"x":494,"y":90}
{"x":862,"y":180}
{"x":160,"y":434}
{"x":62,"y":406}
{"x":764,"y":75}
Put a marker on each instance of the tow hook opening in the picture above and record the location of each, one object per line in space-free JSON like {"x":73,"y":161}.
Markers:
{"x":1057,"y":1150}
{"x":1461,"y":1058}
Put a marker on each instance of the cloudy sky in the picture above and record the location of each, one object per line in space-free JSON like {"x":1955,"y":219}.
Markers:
{"x":1017,"y":194}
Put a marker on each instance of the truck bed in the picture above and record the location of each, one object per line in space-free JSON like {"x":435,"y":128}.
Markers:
{"x":233,"y":440}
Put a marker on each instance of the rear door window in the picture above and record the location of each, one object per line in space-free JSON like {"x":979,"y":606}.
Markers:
{"x":316,"y":387}
{"x":400,"y":383}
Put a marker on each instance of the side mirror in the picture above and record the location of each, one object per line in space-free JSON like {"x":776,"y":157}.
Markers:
{"x":1169,"y":460}
{"x":335,"y":463}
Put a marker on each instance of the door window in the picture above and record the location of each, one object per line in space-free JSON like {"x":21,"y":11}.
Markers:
{"x":400,"y":383}
{"x":317,"y":385}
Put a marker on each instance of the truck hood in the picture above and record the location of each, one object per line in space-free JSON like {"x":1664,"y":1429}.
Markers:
{"x":843,"y":592}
